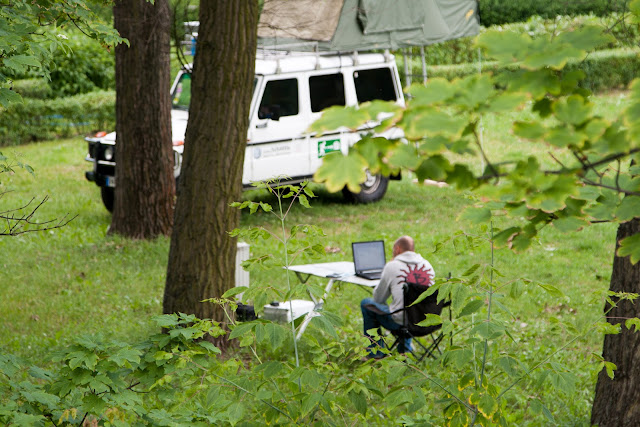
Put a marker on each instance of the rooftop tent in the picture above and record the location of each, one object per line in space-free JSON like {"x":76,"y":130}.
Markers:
{"x":346,"y":25}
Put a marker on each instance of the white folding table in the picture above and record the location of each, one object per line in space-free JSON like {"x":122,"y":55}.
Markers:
{"x":341,"y":271}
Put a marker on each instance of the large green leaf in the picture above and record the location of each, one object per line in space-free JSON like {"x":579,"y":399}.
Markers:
{"x":404,"y":156}
{"x":586,"y":38}
{"x":564,"y":136}
{"x":573,"y":110}
{"x":7,"y":96}
{"x":338,"y":171}
{"x":632,"y":113}
{"x":630,"y":246}
{"x":474,"y":90}
{"x":419,"y":123}
{"x":537,"y":83}
{"x":437,"y":90}
{"x":554,"y":53}
{"x":504,"y":46}
{"x":629,"y":208}
{"x":529,"y":130}
{"x":336,"y":117}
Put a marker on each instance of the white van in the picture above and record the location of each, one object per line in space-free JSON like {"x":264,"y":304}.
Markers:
{"x":290,"y":91}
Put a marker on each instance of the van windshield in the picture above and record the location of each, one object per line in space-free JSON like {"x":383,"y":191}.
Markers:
{"x":181,"y":96}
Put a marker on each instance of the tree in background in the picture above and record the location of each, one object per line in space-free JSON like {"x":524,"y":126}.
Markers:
{"x":30,"y":37}
{"x":590,"y":175}
{"x":202,"y":254}
{"x":145,"y":193}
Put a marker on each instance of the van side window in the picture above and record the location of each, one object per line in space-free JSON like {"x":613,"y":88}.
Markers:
{"x":280,"y":99}
{"x":374,"y":84}
{"x":326,"y":91}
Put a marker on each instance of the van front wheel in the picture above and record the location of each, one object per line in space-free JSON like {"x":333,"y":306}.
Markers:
{"x":372,"y":190}
{"x":107,"y":197}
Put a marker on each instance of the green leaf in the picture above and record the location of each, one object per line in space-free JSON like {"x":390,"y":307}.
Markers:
{"x":471,"y":307}
{"x":437,"y":90}
{"x":563,"y":136}
{"x":504,"y":46}
{"x":431,"y":320}
{"x":631,"y":323}
{"x":93,"y":403}
{"x":209,"y":346}
{"x":241,"y":329}
{"x":337,"y":116}
{"x":487,"y":405}
{"x":405,"y":156}
{"x":629,"y":208}
{"x":234,"y":291}
{"x":466,"y":380}
{"x":324,"y":325}
{"x":8,"y":97}
{"x":610,"y":368}
{"x":419,"y":123}
{"x":552,"y":290}
{"x":533,"y":130}
{"x":505,"y":102}
{"x":338,"y":171}
{"x":476,"y":215}
{"x":569,"y":224}
{"x":630,"y":246}
{"x":573,"y":110}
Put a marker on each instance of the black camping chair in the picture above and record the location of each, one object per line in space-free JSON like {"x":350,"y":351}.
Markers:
{"x":414,"y":314}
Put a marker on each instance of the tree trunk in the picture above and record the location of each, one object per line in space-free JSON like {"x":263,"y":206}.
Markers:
{"x":202,"y":255}
{"x":145,"y":186}
{"x":617,"y":401}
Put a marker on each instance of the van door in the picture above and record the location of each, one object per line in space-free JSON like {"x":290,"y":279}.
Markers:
{"x":276,"y":143}
{"x":326,"y":90}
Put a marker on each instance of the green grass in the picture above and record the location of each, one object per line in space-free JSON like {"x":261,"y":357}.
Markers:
{"x":57,"y":285}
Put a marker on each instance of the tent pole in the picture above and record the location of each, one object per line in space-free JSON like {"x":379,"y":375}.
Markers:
{"x":407,"y":76}
{"x":424,"y":65}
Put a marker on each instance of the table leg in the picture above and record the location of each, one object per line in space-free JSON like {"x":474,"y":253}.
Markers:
{"x":316,"y":310}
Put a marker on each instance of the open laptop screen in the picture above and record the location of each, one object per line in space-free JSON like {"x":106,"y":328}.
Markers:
{"x":368,"y":255}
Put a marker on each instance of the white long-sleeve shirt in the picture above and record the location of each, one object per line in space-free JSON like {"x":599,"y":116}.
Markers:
{"x":407,"y":267}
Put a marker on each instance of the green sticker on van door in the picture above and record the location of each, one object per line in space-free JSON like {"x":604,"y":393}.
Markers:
{"x":326,"y":147}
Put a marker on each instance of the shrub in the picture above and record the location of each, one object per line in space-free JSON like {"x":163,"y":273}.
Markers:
{"x":85,"y":67}
{"x":498,"y":12}
{"x":33,"y":88}
{"x":604,"y":70}
{"x":37,"y":120}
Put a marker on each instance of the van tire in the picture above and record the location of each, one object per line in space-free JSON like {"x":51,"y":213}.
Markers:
{"x":372,"y":190}
{"x":107,"y":197}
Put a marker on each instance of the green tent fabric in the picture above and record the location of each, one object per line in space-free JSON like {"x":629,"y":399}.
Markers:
{"x":347,"y":25}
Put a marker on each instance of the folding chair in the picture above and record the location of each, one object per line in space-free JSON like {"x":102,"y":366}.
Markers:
{"x":414,"y":314}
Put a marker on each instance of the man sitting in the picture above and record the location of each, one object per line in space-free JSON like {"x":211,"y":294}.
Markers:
{"x":405,"y":267}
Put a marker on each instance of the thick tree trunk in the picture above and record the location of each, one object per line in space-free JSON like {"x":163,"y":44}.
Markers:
{"x":617,"y":401}
{"x":145,"y":186}
{"x":202,"y":255}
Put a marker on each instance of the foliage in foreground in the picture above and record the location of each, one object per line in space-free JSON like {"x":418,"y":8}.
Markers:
{"x":482,"y":378}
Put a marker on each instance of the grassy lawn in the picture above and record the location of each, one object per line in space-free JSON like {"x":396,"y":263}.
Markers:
{"x":76,"y":280}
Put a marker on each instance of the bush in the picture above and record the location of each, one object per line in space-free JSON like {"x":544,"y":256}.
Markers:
{"x":87,"y":66}
{"x":605,"y":70}
{"x":33,"y":88}
{"x":498,"y":12}
{"x":37,"y":120}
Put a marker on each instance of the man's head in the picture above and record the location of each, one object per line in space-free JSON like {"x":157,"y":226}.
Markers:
{"x":403,"y":244}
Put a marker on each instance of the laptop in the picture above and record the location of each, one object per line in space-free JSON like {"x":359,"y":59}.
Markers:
{"x":368,"y":259}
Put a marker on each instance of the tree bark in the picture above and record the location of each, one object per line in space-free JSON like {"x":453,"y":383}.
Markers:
{"x":145,"y":185}
{"x":617,"y":400}
{"x":202,"y":255}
